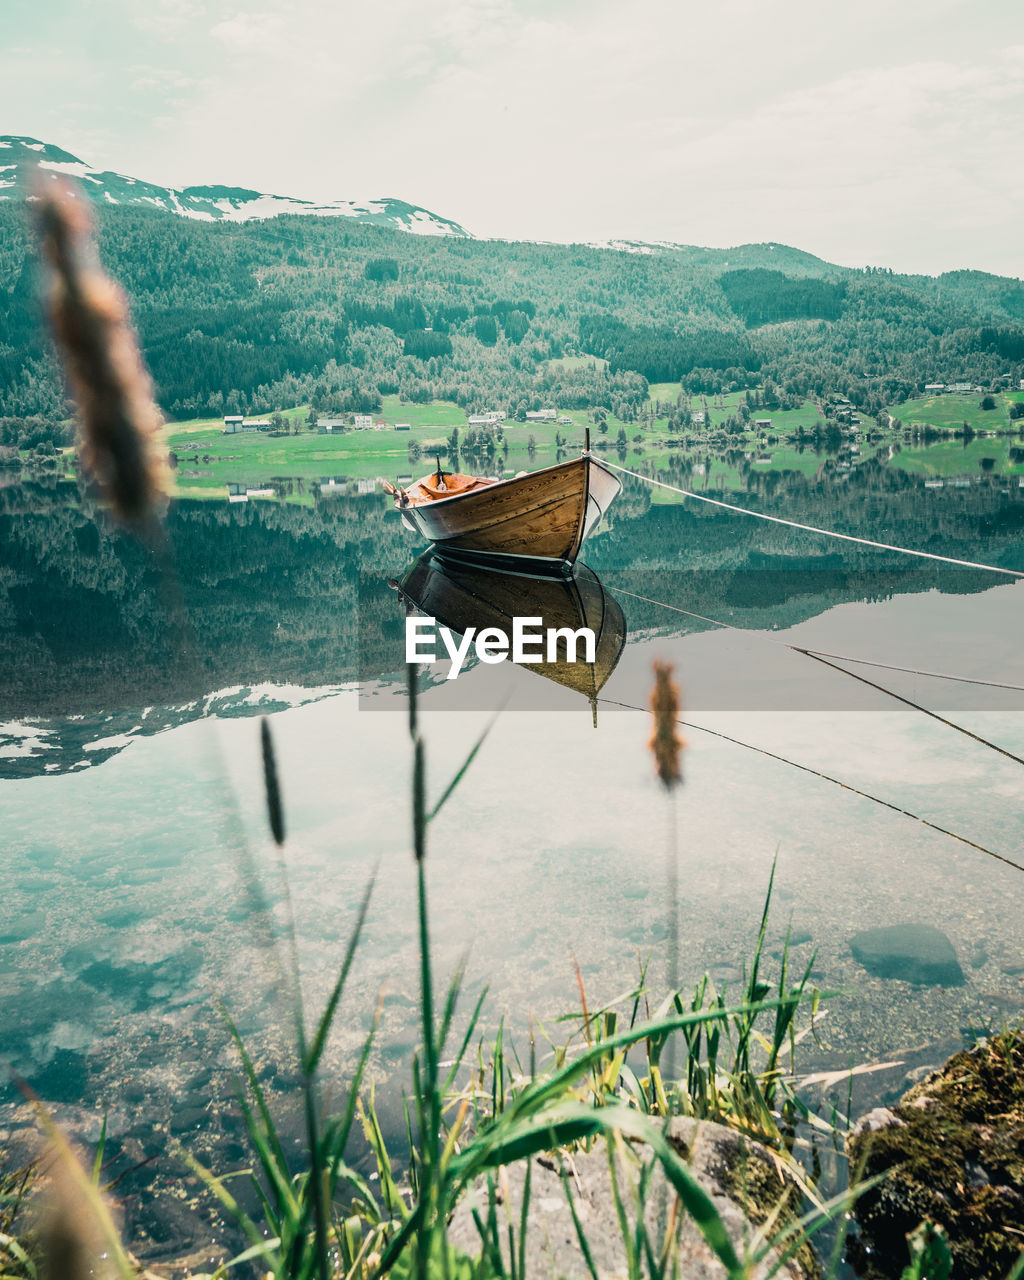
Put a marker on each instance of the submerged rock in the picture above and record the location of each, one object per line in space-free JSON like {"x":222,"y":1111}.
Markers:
{"x":914,"y":952}
{"x":952,"y":1154}
{"x":748,"y":1184}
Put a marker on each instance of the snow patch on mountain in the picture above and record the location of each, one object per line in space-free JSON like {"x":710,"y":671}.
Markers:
{"x":27,"y":160}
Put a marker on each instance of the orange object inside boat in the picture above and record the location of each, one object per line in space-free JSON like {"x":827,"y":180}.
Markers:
{"x":450,"y":485}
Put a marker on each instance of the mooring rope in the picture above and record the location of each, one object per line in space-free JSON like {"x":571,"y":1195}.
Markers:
{"x":912,"y":671}
{"x":821,"y":653}
{"x":826,"y":777}
{"x":908,"y":702}
{"x":824,"y":660}
{"x":810,"y":528}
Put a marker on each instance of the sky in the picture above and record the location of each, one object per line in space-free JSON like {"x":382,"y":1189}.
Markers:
{"x":884,"y":133}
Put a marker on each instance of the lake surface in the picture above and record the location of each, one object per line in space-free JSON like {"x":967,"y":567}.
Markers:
{"x":133,"y":813}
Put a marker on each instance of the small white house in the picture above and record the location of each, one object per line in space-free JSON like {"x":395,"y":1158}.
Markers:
{"x":362,"y":422}
{"x":565,"y":420}
{"x":763,"y":424}
{"x":935,"y":388}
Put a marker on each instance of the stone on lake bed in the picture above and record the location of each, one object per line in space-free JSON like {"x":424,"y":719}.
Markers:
{"x":914,"y":952}
{"x":750,"y":1187}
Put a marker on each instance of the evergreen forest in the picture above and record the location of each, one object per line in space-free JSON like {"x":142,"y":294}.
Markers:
{"x":259,"y":316}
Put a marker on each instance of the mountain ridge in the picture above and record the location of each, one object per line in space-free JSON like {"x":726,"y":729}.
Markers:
{"x":23,"y":159}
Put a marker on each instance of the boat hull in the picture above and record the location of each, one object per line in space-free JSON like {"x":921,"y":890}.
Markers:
{"x":468,"y":595}
{"x":542,"y":516}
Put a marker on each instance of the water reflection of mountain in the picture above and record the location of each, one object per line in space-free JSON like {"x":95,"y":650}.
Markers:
{"x":287,"y":595}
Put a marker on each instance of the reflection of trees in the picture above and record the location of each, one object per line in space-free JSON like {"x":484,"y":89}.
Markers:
{"x":271,"y":592}
{"x":283,"y":593}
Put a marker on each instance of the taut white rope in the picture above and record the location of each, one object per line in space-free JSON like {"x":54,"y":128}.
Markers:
{"x":810,"y":528}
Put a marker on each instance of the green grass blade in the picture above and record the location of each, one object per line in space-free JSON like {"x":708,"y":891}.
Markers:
{"x":97,"y":1164}
{"x":450,"y":1002}
{"x":474,"y":1019}
{"x":271,"y":1158}
{"x":11,"y":1246}
{"x":581,"y":1236}
{"x":340,"y":1132}
{"x":552,"y":1087}
{"x":254,"y":1251}
{"x":255,"y":1089}
{"x":632,"y":1262}
{"x":317,"y":1200}
{"x":524,"y":1217}
{"x":316,"y":1048}
{"x":404,"y":1234}
{"x":216,"y":1185}
{"x":462,"y":770}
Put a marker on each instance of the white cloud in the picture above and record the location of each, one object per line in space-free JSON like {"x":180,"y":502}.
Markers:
{"x":877,"y":132}
{"x":251,"y":33}
{"x":167,"y":18}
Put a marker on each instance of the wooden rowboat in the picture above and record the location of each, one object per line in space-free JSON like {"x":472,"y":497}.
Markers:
{"x":542,"y":516}
{"x":463,"y":594}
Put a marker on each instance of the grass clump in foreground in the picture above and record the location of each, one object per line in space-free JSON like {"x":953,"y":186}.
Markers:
{"x":468,"y":1121}
{"x":482,"y":1114}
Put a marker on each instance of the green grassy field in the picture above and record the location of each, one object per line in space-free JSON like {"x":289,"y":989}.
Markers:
{"x":577,"y":362}
{"x":439,"y":413}
{"x":209,"y":460}
{"x":666,"y":392}
{"x":950,"y":411}
{"x":952,"y":457}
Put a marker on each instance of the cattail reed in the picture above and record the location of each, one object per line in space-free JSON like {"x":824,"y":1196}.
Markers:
{"x":77,"y":1238}
{"x":119,"y":423}
{"x":666,"y":745}
{"x":275,"y":808}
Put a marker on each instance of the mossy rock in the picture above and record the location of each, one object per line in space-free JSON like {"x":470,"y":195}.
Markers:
{"x":952,"y":1151}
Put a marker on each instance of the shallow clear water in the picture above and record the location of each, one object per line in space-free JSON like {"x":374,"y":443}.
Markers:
{"x":133,"y":811}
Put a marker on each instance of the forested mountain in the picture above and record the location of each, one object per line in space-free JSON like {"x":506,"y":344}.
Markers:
{"x":250,"y":317}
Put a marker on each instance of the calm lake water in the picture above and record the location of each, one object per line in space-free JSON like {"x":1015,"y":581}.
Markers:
{"x":133,"y":813}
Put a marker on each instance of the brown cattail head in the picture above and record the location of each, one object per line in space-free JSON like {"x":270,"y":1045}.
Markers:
{"x":666,"y":744}
{"x":119,"y":424}
{"x":75,"y":1225}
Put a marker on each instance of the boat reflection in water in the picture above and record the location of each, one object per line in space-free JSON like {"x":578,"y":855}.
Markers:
{"x":460,"y":594}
